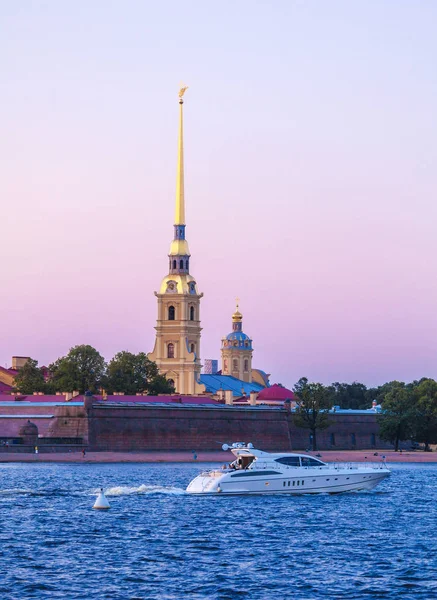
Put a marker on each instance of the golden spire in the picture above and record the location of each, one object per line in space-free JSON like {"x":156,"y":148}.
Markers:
{"x":180,"y":200}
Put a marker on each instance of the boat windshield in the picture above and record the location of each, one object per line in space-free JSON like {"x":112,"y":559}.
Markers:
{"x":242,"y":462}
{"x":308,"y":461}
{"x":298,"y":461}
{"x":290,"y":461}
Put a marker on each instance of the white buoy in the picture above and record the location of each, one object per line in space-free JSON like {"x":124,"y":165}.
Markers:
{"x":101,"y":503}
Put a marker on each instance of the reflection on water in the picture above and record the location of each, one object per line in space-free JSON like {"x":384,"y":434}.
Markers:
{"x":157,"y":542}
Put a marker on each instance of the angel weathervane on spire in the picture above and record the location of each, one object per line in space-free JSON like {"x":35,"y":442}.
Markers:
{"x":182,"y":90}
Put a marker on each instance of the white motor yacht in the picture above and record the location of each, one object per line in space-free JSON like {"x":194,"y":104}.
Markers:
{"x":257,"y":472}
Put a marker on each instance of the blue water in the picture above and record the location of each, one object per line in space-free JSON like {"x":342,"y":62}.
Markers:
{"x":157,"y":542}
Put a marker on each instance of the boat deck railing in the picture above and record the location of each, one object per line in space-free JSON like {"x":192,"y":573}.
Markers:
{"x":337,"y":466}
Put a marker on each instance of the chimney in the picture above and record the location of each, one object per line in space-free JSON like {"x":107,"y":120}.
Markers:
{"x":229,"y":397}
{"x":253,"y":397}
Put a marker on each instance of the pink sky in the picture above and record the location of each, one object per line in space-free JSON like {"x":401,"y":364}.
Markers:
{"x":311,"y":179}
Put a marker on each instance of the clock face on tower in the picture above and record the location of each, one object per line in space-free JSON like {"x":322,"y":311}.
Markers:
{"x":171,"y":287}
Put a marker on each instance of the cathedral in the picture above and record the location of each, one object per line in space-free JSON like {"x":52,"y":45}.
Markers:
{"x":178,"y":330}
{"x":177,"y":343}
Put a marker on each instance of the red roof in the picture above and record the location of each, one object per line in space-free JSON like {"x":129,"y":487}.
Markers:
{"x":276,"y":392}
{"x":174,"y":399}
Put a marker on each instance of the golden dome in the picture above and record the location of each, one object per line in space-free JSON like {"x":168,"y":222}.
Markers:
{"x":237,"y":317}
{"x":176,"y":283}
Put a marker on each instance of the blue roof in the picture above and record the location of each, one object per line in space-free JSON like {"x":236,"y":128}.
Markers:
{"x":237,"y":335}
{"x":214,"y":383}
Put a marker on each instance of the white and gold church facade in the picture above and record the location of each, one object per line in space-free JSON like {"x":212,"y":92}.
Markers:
{"x":178,"y":330}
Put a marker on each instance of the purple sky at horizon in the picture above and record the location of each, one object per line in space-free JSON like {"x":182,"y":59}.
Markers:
{"x":310,"y":179}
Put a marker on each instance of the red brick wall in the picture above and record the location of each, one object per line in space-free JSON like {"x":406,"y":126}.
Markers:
{"x":344,"y":429}
{"x":182,"y":428}
{"x":52,"y":421}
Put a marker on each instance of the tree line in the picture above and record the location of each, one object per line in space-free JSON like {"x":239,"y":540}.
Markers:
{"x":408,"y":410}
{"x":84,"y":369}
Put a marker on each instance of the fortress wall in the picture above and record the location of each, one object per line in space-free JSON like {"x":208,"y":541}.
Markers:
{"x":69,"y":422}
{"x":341,"y":434}
{"x":14,"y":417}
{"x":148,"y":427}
{"x":52,"y":421}
{"x":182,"y":428}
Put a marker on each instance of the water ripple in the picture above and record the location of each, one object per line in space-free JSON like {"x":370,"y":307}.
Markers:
{"x":157,"y":542}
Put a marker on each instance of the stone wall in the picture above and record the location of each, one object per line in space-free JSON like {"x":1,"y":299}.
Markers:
{"x":182,"y":428}
{"x":68,"y":422}
{"x":63,"y":421}
{"x":346,"y":432}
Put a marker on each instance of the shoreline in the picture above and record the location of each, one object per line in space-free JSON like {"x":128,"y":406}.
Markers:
{"x":213,"y":456}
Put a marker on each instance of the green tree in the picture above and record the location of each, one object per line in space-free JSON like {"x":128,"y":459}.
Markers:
{"x":396,"y":422}
{"x":313,"y":401}
{"x":381,"y":391}
{"x":350,"y":395}
{"x":82,"y":369}
{"x":135,"y":373}
{"x":426,"y":412}
{"x":30,"y":378}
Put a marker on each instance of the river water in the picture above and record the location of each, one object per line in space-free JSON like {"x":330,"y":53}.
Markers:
{"x":158,"y":542}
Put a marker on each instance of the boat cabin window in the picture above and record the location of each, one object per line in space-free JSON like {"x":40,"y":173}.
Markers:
{"x":307,"y":461}
{"x":290,"y":461}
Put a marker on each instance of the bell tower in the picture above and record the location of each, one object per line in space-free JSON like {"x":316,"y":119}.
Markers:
{"x":237,"y":351}
{"x":178,"y":330}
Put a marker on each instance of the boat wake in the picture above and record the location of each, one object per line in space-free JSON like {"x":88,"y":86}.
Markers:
{"x":15,"y":492}
{"x":124,"y":490}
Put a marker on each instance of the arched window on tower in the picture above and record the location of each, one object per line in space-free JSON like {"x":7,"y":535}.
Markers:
{"x":193,"y":347}
{"x":246,"y":365}
{"x":174,"y":264}
{"x":181,"y":264}
{"x":191,"y":313}
{"x":235,"y":365}
{"x":171,"y":313}
{"x":186,"y":264}
{"x":170,"y":350}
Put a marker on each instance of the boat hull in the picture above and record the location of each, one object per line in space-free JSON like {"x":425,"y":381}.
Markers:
{"x":296,"y":484}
